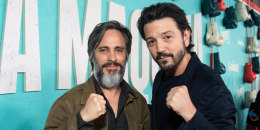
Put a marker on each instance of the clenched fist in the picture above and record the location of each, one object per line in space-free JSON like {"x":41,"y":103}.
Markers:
{"x":95,"y":107}
{"x":178,"y":99}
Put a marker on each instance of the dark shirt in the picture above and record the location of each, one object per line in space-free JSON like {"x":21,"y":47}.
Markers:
{"x":114,"y":123}
{"x":208,"y":93}
{"x":257,"y":102}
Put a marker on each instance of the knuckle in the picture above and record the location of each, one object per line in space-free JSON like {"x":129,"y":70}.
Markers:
{"x":95,"y":99}
{"x":100,"y":96}
{"x":91,"y":95}
{"x":184,"y":86}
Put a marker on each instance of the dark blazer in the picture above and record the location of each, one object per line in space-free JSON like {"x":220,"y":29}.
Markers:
{"x":208,"y":93}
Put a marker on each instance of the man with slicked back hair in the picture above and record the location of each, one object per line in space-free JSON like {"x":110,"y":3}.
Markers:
{"x":187,"y":94}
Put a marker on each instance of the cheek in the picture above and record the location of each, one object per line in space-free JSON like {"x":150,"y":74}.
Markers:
{"x":153,"y":53}
{"x":100,"y":60}
{"x":121,"y":57}
{"x":152,"y":50}
{"x":123,"y":61}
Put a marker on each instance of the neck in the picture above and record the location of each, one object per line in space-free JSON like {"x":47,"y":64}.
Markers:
{"x":112,"y":95}
{"x":181,"y":67}
{"x":111,"y":92}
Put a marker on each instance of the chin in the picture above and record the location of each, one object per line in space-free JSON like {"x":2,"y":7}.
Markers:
{"x":168,"y":67}
{"x":111,"y":72}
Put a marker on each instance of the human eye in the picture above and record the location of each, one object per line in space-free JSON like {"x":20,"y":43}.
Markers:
{"x":120,"y":50}
{"x":167,"y":37}
{"x":150,"y":42}
{"x":102,"y":50}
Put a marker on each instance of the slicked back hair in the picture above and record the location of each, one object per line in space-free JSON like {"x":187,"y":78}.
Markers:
{"x":162,"y":10}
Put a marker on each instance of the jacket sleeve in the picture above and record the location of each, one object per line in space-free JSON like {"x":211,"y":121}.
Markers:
{"x":82,"y":125}
{"x":257,"y":102}
{"x":60,"y":117}
{"x":216,"y":111}
{"x":146,"y":116}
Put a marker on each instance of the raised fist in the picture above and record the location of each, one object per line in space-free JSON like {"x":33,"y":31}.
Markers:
{"x":95,"y":107}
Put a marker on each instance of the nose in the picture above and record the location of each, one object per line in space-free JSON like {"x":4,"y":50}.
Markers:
{"x":112,"y":56}
{"x":160,"y":46}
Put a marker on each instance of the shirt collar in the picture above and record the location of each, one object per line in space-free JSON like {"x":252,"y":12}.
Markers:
{"x":97,"y":87}
{"x":91,"y":86}
{"x":124,"y":87}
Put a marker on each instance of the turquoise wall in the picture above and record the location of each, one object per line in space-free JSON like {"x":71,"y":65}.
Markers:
{"x":29,"y":110}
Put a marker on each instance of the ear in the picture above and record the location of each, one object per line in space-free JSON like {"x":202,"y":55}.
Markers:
{"x":186,"y":37}
{"x":90,"y":57}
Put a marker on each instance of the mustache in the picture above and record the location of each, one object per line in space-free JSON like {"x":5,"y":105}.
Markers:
{"x":160,"y":54}
{"x":112,"y":63}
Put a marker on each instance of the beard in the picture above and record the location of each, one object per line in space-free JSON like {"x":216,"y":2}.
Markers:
{"x":110,"y":80}
{"x":176,"y":59}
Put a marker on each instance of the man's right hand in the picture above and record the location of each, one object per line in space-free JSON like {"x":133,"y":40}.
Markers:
{"x":95,"y":107}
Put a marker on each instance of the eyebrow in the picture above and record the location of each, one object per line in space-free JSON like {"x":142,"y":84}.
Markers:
{"x":163,"y":33}
{"x":102,"y":47}
{"x":167,"y":32}
{"x":106,"y":47}
{"x":120,"y":47}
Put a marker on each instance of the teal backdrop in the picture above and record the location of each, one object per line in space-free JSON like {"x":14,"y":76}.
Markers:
{"x":29,"y":110}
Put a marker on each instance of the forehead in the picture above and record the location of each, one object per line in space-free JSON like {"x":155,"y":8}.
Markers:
{"x":112,"y":37}
{"x":160,"y":26}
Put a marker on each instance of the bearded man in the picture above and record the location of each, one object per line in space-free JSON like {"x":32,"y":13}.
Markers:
{"x":105,"y":101}
{"x":187,"y":94}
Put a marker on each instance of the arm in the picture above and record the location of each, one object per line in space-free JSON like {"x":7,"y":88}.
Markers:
{"x":216,"y":111}
{"x":146,"y":116}
{"x":82,"y":125}
{"x":60,"y":118}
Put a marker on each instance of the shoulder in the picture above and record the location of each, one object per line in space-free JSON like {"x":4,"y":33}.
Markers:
{"x":136,"y":96}
{"x":133,"y":92}
{"x":139,"y":96}
{"x":85,"y":88}
{"x":209,"y":83}
{"x":208,"y":75}
{"x":212,"y":84}
{"x":69,"y":100}
{"x":73,"y":92}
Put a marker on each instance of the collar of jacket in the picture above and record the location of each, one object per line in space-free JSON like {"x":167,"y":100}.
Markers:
{"x":192,"y":66}
{"x":89,"y":87}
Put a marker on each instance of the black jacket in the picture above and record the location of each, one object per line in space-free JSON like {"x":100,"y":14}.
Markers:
{"x":213,"y":101}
